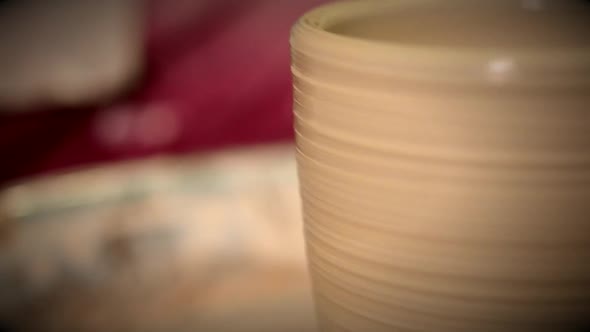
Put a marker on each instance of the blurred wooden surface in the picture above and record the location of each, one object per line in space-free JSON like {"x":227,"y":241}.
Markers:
{"x":211,"y":243}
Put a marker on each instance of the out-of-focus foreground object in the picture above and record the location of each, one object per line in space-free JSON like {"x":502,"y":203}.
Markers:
{"x":209,"y":243}
{"x":444,"y":158}
{"x":68,"y":53}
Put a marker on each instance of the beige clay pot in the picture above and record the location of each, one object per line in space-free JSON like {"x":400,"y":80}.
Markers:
{"x":444,"y":162}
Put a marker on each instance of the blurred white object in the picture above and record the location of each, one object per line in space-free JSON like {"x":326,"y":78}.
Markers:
{"x":66,"y":53}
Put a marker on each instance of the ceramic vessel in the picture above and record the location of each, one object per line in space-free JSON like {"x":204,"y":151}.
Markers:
{"x":444,"y":163}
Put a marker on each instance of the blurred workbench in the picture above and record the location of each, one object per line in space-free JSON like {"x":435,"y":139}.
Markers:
{"x":208,"y":242}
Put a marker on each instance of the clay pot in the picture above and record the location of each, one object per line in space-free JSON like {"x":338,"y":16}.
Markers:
{"x":444,"y":163}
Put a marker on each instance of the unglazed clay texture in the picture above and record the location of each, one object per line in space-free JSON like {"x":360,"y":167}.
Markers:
{"x":444,"y":161}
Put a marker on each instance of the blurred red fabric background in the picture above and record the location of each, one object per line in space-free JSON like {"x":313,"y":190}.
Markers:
{"x":217,"y":74}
